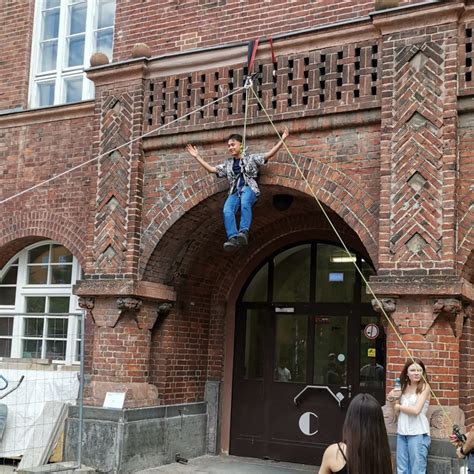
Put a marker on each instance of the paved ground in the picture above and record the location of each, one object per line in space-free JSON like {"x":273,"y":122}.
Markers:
{"x":232,"y":465}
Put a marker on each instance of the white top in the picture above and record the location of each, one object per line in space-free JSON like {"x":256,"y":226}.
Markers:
{"x":411,"y":424}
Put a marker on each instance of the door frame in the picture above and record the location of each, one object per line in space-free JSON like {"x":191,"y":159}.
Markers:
{"x":230,"y":308}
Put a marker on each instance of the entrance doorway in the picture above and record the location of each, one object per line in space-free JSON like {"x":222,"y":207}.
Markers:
{"x":306,"y":341}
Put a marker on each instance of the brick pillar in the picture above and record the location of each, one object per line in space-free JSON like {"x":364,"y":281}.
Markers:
{"x":417,"y":238}
{"x":121,"y":351}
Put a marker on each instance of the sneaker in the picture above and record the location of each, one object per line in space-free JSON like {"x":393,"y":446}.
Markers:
{"x":231,"y":245}
{"x":243,"y":237}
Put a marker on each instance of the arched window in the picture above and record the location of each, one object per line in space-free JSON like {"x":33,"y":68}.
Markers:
{"x":39,"y":316}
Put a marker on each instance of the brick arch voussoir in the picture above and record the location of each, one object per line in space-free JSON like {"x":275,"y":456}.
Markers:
{"x":197,"y":191}
{"x":45,"y":225}
{"x":466,"y":260}
{"x":338,"y":191}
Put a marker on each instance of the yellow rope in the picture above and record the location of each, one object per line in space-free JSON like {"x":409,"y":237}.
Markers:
{"x":410,"y":356}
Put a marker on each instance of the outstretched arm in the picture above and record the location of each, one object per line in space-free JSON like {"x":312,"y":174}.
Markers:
{"x":193,"y":151}
{"x":274,"y":150}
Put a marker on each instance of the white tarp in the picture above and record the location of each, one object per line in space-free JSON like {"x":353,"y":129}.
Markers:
{"x":26,"y":404}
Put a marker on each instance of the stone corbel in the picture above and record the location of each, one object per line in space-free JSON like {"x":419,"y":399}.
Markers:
{"x":164,"y":309}
{"x":387,"y":306}
{"x":128,"y":306}
{"x":452,"y":309}
{"x":87,"y":304}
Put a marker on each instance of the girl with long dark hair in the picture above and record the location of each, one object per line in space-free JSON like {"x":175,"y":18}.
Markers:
{"x":364,"y":448}
{"x":413,"y":429}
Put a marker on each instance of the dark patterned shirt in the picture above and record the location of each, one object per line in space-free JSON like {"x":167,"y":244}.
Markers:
{"x":249,"y":165}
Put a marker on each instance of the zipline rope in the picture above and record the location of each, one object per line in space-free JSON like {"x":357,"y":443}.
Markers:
{"x":108,"y":152}
{"x":248,"y":85}
{"x":410,"y":356}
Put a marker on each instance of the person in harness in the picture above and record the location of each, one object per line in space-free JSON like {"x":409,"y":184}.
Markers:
{"x":241,"y":171}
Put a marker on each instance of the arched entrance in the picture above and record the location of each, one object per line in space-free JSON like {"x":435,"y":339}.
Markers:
{"x":306,"y":341}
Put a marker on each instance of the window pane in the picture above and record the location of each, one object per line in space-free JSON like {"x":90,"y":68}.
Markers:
{"x":50,"y":24}
{"x":32,"y":349}
{"x":39,"y":254}
{"x":49,"y":53}
{"x":6,"y":326}
{"x":372,"y":353}
{"x":10,"y":277}
{"x":291,"y":275}
{"x":57,"y":327}
{"x":367,"y":271}
{"x":34,"y":327}
{"x":77,"y":20}
{"x":330,"y":350}
{"x":257,"y":289}
{"x":59,"y":304}
{"x":103,"y":42}
{"x":106,"y":14}
{"x":7,"y":295}
{"x":5,"y":347}
{"x":335,"y":275}
{"x":51,"y":3}
{"x":37,"y":274}
{"x":290,"y":348}
{"x":45,"y":94}
{"x":73,"y":89}
{"x":75,"y":51}
{"x":56,"y":350}
{"x":61,"y":274}
{"x":60,"y":254}
{"x":35,"y":304}
{"x":254,"y":345}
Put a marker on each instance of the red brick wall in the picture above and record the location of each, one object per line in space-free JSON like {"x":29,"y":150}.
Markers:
{"x":170,"y":26}
{"x":16,"y":18}
{"x":60,"y":210}
{"x":467,"y":371}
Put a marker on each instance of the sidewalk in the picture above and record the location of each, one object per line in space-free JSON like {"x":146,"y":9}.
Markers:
{"x":232,"y":465}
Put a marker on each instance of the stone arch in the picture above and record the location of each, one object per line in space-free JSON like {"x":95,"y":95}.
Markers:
{"x":332,"y":187}
{"x":20,"y":230}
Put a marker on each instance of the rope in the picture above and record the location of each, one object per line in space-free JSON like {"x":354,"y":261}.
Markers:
{"x":98,"y":157}
{"x":394,"y":328}
{"x":248,"y":85}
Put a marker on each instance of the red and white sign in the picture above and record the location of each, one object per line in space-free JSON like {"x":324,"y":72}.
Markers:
{"x":371,"y":331}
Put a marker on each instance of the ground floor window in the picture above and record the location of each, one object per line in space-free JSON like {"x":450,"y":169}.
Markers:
{"x":39,"y":315}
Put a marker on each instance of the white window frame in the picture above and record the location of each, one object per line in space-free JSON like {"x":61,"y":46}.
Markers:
{"x":62,"y":72}
{"x":23,"y":290}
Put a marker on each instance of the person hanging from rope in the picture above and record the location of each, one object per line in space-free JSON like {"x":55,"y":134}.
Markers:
{"x":241,"y":170}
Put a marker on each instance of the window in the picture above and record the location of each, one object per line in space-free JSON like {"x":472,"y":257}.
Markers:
{"x":66,"y":33}
{"x":39,"y":317}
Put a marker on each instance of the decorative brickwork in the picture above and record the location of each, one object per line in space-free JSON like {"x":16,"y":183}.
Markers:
{"x":419,"y":149}
{"x":346,"y":77}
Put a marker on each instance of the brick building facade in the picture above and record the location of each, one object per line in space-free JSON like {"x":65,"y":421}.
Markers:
{"x":379,"y":105}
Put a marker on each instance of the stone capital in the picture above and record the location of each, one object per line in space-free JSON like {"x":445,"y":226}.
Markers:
{"x":387,"y":305}
{"x":454,"y":311}
{"x":129,"y":304}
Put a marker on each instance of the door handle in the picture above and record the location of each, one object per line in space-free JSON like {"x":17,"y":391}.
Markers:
{"x":349,"y":390}
{"x":337,"y":396}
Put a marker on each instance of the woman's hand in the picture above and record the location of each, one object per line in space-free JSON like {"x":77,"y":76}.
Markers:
{"x":396,"y":408}
{"x":285,"y":134}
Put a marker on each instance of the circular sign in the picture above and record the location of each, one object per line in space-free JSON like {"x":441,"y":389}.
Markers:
{"x":341,"y":357}
{"x":309,"y":423}
{"x":371,"y":331}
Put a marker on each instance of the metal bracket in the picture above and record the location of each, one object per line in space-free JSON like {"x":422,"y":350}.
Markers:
{"x":337,"y":396}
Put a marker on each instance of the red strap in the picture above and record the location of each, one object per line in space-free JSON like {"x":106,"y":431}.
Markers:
{"x":252,"y":57}
{"x":273,"y":52}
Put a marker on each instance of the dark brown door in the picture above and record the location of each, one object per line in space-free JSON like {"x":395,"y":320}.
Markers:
{"x":288,"y":401}
{"x":297,"y":364}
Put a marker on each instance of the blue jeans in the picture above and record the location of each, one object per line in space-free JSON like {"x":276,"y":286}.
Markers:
{"x":243,"y":201}
{"x":412,"y":453}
